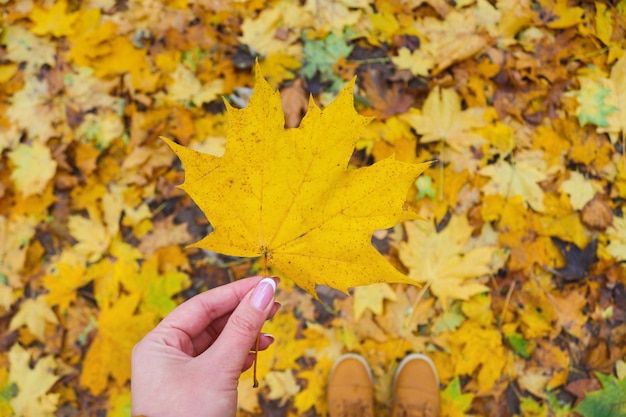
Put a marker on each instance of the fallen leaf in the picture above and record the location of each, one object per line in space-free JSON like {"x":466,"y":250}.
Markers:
{"x":55,"y":20}
{"x":577,"y":261}
{"x":282,"y":385}
{"x":579,"y":190}
{"x":295,"y":103}
{"x":119,"y":329}
{"x":33,"y":383}
{"x":617,"y":237}
{"x":453,"y":402}
{"x":440,"y":260}
{"x":442,"y":119}
{"x":68,"y":277}
{"x":372,"y":298}
{"x":607,"y":402}
{"x":597,"y":214}
{"x":519,"y":178}
{"x":34,"y":313}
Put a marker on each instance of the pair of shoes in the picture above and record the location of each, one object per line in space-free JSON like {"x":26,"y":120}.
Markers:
{"x":415,"y":388}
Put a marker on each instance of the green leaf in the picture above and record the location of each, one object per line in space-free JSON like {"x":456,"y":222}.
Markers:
{"x":425,"y":188}
{"x":519,"y":344}
{"x":610,"y":401}
{"x":592,"y":107}
{"x":450,"y":320}
{"x":321,"y":54}
{"x":453,"y":401}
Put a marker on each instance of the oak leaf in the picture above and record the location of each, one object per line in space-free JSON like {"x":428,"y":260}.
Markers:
{"x":288,"y":194}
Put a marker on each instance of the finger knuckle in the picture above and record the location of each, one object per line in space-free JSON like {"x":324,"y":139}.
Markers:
{"x":245,"y":324}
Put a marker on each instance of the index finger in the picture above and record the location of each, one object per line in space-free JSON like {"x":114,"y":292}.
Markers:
{"x":194,"y":315}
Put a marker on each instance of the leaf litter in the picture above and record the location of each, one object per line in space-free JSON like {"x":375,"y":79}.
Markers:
{"x":521,"y":102}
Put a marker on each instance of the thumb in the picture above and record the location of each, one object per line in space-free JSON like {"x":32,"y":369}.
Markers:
{"x":232,"y":347}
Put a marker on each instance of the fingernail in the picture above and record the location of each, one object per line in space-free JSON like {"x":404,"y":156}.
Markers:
{"x":263,"y":294}
{"x":271,"y":336}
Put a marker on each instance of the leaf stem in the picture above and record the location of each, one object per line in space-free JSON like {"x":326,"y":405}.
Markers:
{"x":255,"y":383}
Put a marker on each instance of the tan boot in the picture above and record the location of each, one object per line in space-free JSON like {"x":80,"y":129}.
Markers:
{"x":416,"y":388}
{"x":351,"y":388}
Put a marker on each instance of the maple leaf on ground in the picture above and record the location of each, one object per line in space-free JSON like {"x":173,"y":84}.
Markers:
{"x":34,"y":313}
{"x":54,"y":21}
{"x":607,"y":402}
{"x":65,"y":281}
{"x":289,"y":196}
{"x":372,"y":298}
{"x":109,"y":354}
{"x":519,"y":178}
{"x":13,"y":234}
{"x":33,"y":383}
{"x":24,"y":46}
{"x":418,"y":62}
{"x":453,"y":402}
{"x":441,"y":260}
{"x":34,"y":102}
{"x":617,"y":236}
{"x":442,"y":119}
{"x":27,"y":180}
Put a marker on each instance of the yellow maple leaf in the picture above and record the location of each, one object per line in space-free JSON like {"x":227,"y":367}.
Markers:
{"x":34,"y":313}
{"x":34,"y":102}
{"x":69,"y":275}
{"x":314,"y":394}
{"x":440,"y":259}
{"x":13,"y":233}
{"x":186,"y":87}
{"x":34,"y":167}
{"x":442,"y":119}
{"x":289,"y":196}
{"x":91,"y":235}
{"x":418,"y":62}
{"x":54,"y":21}
{"x":472,"y":340}
{"x":259,"y":33}
{"x":91,"y":39}
{"x":617,"y":236}
{"x":564,"y":15}
{"x":24,"y":46}
{"x":371,"y":298}
{"x":282,"y":385}
{"x":109,"y":354}
{"x":520,"y":178}
{"x":33,"y":383}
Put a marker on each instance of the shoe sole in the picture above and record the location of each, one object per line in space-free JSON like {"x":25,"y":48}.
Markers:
{"x":408,"y":359}
{"x":353,"y":356}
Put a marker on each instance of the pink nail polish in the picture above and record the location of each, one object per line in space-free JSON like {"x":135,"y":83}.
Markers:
{"x":263,"y":294}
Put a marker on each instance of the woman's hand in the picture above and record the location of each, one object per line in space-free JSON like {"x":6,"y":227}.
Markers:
{"x":189,"y":365}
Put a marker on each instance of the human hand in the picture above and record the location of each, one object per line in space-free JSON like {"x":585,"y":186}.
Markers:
{"x":189,"y":364}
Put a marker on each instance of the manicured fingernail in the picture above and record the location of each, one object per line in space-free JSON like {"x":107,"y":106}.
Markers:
{"x":263,"y":294}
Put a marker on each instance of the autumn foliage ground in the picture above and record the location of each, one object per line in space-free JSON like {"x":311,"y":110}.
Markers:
{"x":520,"y":252}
